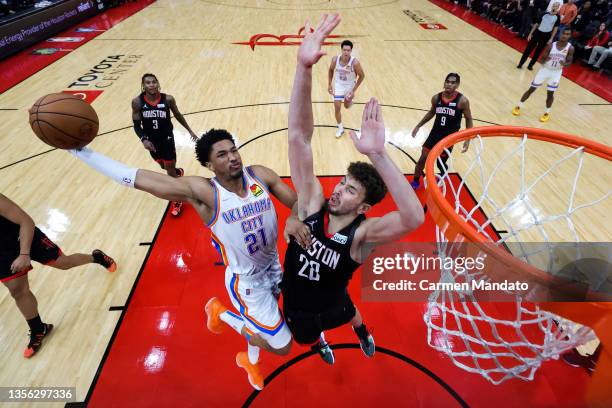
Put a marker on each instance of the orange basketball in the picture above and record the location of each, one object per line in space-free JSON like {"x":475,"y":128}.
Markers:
{"x":64,"y":121}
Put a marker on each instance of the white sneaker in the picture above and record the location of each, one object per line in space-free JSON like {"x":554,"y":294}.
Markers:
{"x":340,"y":131}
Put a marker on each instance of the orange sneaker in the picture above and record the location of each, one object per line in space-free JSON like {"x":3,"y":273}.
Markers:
{"x":177,"y":207}
{"x":255,"y":377}
{"x":104,"y":260}
{"x":36,"y":341}
{"x":213,"y":309}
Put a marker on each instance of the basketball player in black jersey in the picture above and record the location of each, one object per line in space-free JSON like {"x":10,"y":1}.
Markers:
{"x":314,"y":285}
{"x":151,"y":116}
{"x":448,"y":107}
{"x":21,"y":242}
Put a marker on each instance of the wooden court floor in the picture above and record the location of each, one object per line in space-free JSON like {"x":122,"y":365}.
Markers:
{"x":190,"y":46}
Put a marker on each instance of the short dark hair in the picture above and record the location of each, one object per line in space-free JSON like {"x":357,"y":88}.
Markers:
{"x":568,"y":28}
{"x":346,"y":42}
{"x":368,"y":177}
{"x":453,"y":74}
{"x":205,"y":143}
{"x":148,"y":74}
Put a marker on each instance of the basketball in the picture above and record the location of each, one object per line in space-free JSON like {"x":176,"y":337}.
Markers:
{"x":64,"y":121}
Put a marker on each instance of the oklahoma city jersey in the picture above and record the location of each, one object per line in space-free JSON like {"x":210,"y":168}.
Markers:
{"x":557,"y":57}
{"x":244,"y":230}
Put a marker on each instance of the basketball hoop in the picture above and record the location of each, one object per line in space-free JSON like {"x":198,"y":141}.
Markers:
{"x":480,"y":337}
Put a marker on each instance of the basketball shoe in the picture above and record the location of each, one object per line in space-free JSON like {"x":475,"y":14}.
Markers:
{"x":104,"y":260}
{"x":213,"y":310}
{"x":255,"y":377}
{"x":545,"y":117}
{"x":516,"y":111}
{"x":36,"y":341}
{"x":323,"y":349}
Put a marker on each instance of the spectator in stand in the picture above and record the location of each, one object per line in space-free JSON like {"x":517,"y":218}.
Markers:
{"x":605,"y":53}
{"x":600,"y":39}
{"x":568,"y":13}
{"x":540,"y":36}
{"x":507,"y":15}
{"x":585,"y":15}
{"x":600,"y":10}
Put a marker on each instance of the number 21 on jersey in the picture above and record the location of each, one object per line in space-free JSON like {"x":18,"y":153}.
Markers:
{"x":255,"y":240}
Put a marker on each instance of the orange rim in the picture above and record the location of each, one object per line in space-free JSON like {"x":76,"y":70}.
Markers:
{"x":452,"y":224}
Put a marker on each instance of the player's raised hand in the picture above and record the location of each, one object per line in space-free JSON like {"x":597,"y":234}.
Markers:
{"x":372,"y":140}
{"x":310,"y":51}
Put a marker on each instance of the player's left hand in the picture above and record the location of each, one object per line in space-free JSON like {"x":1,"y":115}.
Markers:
{"x":349,"y":96}
{"x":298,"y":230}
{"x":372,"y":140}
{"x":194,"y":137}
{"x":20,"y":263}
{"x":310,"y":49}
{"x":466,"y":146}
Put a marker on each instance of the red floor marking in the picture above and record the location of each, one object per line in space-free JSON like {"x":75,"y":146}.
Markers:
{"x":163,"y":355}
{"x":23,"y":65}
{"x":597,"y":82}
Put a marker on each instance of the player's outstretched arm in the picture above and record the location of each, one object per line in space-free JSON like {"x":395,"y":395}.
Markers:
{"x":160,"y":185}
{"x":179,"y":116}
{"x":396,"y":224}
{"x":301,"y":124}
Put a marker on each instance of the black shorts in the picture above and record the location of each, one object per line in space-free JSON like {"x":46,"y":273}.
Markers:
{"x":434,"y":138}
{"x":306,"y":327}
{"x":43,"y":251}
{"x":165,"y":151}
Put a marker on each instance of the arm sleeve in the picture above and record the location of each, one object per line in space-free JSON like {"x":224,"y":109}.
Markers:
{"x":113,"y":169}
{"x":139,"y":130}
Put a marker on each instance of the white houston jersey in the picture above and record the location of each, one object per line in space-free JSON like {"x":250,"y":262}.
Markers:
{"x":557,"y":57}
{"x":345,"y":74}
{"x":244,"y":230}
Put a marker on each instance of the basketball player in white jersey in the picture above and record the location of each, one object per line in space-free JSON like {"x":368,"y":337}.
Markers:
{"x":347,"y":74}
{"x":236,"y":205}
{"x":557,"y":55}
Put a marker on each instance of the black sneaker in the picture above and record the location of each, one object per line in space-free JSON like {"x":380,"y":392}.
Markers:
{"x":104,"y":260}
{"x":36,"y":341}
{"x":367,"y":346}
{"x":326,"y":353}
{"x":180,"y":172}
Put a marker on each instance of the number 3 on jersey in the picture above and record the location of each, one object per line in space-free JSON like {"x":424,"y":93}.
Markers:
{"x":252,"y":241}
{"x":155,"y":124}
{"x":314,"y":268}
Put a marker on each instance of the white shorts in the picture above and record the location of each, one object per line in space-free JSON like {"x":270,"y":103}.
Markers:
{"x":553,"y":76}
{"x":341,"y":89}
{"x":255,"y":297}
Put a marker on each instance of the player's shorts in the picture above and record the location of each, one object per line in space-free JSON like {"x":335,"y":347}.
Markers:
{"x":341,"y":89}
{"x":434,"y":137}
{"x":165,"y":151}
{"x":43,"y":251}
{"x":306,"y":327}
{"x":255,"y":296}
{"x":552,"y":76}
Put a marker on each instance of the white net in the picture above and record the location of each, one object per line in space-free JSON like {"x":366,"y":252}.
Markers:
{"x":532,"y":191}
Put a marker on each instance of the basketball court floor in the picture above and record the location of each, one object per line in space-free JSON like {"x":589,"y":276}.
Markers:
{"x":138,"y":337}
